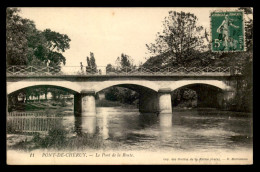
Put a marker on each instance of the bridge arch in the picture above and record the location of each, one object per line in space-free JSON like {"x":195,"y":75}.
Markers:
{"x":139,"y":83}
{"x":13,"y":87}
{"x":148,"y":100}
{"x":208,"y":93}
{"x":215,"y":83}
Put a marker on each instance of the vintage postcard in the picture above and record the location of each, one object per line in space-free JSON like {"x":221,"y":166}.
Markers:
{"x":123,"y":86}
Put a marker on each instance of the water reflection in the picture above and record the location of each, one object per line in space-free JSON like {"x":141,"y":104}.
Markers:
{"x":165,"y":119}
{"x":147,"y":119}
{"x":129,"y":130}
{"x":85,"y":125}
{"x":103,"y":122}
{"x":105,"y":130}
{"x":166,"y":131}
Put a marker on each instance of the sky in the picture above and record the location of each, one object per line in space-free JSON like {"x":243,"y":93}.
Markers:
{"x":107,"y":32}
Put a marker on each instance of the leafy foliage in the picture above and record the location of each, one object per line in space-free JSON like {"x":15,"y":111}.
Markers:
{"x":16,"y":40}
{"x":182,"y":44}
{"x":25,"y":45}
{"x":91,"y":67}
{"x":110,"y":68}
{"x":122,"y":95}
{"x":184,"y":95}
{"x":91,"y":61}
{"x":125,"y":60}
{"x":122,"y":63}
{"x":112,"y":94}
{"x":180,"y":40}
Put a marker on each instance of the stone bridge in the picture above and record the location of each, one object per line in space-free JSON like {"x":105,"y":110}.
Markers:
{"x":216,"y":86}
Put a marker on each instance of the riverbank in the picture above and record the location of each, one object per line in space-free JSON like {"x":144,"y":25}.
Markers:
{"x":64,"y":107}
{"x":48,"y":107}
{"x":52,"y":105}
{"x":108,"y":103}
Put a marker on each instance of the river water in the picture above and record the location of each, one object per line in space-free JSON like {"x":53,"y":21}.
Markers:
{"x":184,"y":130}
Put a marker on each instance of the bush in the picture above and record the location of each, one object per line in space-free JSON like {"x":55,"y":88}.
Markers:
{"x":122,"y":95}
{"x":10,"y":129}
{"x":63,"y":102}
{"x":85,"y":141}
{"x":56,"y":138}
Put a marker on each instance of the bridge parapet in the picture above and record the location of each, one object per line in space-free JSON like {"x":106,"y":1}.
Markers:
{"x":119,"y":71}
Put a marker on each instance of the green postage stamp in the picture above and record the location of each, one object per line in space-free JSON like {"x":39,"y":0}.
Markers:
{"x":227,"y":31}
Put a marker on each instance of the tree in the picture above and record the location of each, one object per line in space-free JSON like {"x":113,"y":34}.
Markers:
{"x":112,"y":94}
{"x":125,"y":61}
{"x":88,"y":62}
{"x":16,"y":40}
{"x":123,"y":95}
{"x":92,"y":67}
{"x":244,"y":98}
{"x":56,"y":43}
{"x":180,"y":40}
{"x":110,"y":68}
{"x":25,"y":45}
{"x":92,"y":60}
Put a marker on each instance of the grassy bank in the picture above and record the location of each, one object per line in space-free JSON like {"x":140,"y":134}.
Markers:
{"x":55,"y":139}
{"x":57,"y":106}
{"x":49,"y":107}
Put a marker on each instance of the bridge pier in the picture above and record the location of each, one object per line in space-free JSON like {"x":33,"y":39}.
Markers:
{"x":85,"y":104}
{"x":165,"y":102}
{"x":228,"y":97}
{"x":85,"y":112}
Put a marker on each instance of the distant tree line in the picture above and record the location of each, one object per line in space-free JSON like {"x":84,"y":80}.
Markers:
{"x":29,"y":94}
{"x":122,"y":95}
{"x":123,"y":64}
